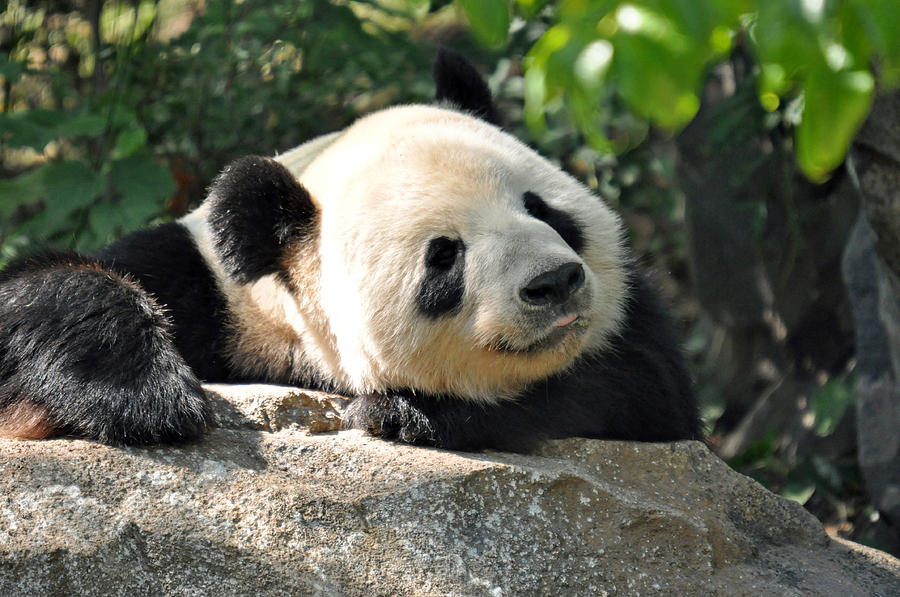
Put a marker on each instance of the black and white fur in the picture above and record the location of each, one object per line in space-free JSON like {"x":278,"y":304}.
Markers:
{"x":466,"y":292}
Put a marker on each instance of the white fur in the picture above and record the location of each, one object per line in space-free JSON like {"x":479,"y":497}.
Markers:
{"x":297,"y":159}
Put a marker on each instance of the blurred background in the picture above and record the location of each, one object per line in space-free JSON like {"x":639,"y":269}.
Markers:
{"x":751,"y":146}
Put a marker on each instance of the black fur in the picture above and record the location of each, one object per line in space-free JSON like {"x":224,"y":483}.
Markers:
{"x":94,"y":352}
{"x":257,"y":207}
{"x":460,"y":84}
{"x":563,"y":223}
{"x":166,"y":263}
{"x":636,"y":390}
{"x":441,"y":289}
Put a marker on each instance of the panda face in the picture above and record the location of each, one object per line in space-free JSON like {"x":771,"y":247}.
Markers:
{"x":455,"y":260}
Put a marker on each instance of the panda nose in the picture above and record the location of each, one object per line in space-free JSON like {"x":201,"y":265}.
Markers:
{"x":555,"y":286}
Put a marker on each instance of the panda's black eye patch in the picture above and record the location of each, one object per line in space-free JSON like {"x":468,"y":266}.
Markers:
{"x":535,"y":205}
{"x":442,"y":287}
{"x":442,"y":253}
{"x":564,"y":224}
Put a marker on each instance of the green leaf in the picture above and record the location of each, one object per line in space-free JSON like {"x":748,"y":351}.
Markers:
{"x":658,"y":70}
{"x":835,"y":106}
{"x":130,"y":141}
{"x":87,"y":125}
{"x":36,"y":128}
{"x":70,"y":185}
{"x":799,"y":489}
{"x":489,"y":20}
{"x":830,"y":404}
{"x":592,"y":64}
{"x":65,"y":187}
{"x":535,"y":90}
{"x":785,"y":34}
{"x":143,"y":185}
{"x":11,"y":70}
{"x":21,"y":130}
{"x":758,"y":453}
{"x":105,"y":222}
{"x":530,"y":8}
{"x":21,"y":190}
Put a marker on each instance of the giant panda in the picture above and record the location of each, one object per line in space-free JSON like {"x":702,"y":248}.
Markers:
{"x":463,"y":290}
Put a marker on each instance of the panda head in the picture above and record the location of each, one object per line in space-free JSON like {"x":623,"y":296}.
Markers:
{"x":435,"y":252}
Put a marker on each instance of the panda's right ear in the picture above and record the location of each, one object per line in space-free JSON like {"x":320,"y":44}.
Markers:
{"x":257,"y":208}
{"x":460,"y":84}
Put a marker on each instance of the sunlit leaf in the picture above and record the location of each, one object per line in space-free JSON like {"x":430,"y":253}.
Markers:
{"x":835,"y":106}
{"x":784,"y":34}
{"x":530,"y":8}
{"x":659,"y":77}
{"x":535,"y":90}
{"x":592,"y":65}
{"x":489,"y":20}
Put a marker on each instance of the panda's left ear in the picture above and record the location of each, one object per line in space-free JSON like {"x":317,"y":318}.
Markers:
{"x":460,"y":84}
{"x":257,"y":208}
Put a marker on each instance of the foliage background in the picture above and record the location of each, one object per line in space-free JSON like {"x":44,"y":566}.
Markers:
{"x":117,"y":114}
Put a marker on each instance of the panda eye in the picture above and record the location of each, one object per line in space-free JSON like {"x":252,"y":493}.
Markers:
{"x":535,"y":206}
{"x":564,"y":224}
{"x":442,"y":252}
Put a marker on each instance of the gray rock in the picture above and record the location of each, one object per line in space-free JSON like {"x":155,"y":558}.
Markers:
{"x":262,"y":507}
{"x":876,"y":314}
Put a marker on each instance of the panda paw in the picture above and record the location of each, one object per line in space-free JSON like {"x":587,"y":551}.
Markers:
{"x":390,"y":417}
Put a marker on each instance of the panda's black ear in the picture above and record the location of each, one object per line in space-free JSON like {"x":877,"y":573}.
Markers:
{"x":257,"y":208}
{"x":460,"y":84}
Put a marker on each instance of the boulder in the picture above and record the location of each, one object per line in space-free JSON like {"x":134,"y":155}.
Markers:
{"x":264,"y":507}
{"x":874,"y":294}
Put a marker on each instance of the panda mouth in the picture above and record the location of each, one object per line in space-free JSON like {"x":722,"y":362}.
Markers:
{"x":562,"y":328}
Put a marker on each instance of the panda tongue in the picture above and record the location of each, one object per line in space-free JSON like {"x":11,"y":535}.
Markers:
{"x":565,"y":320}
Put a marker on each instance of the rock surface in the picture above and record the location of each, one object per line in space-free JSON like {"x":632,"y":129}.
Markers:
{"x":876,"y":315}
{"x":262,"y":507}
{"x":872,"y":272}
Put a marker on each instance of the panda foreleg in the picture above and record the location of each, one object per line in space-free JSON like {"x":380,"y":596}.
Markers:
{"x":87,"y":352}
{"x":447,"y":422}
{"x":390,"y":417}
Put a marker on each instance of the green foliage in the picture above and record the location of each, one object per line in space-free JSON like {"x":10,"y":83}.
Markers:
{"x":829,"y":477}
{"x":78,"y":153}
{"x":53,"y":201}
{"x":489,"y":20}
{"x":830,"y":404}
{"x":653,"y":56}
{"x":90,"y":135}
